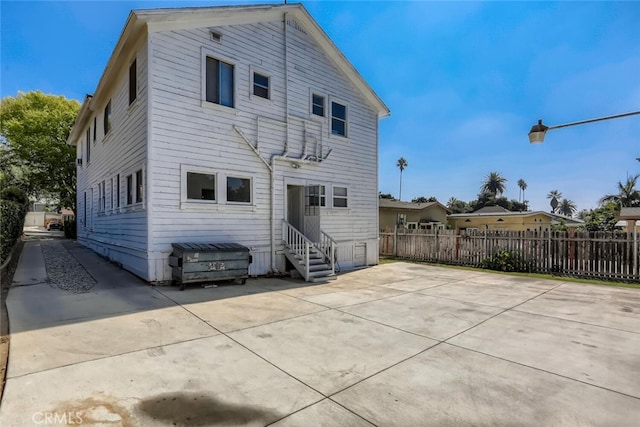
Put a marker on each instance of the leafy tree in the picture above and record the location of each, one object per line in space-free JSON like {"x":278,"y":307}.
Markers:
{"x":423,"y":199}
{"x":566,"y":207}
{"x":628,"y":195}
{"x":494,"y":183}
{"x":458,"y":206}
{"x":385,"y":196}
{"x":35,"y":127}
{"x":523,"y":186}
{"x":603,"y":218}
{"x":402,"y":165}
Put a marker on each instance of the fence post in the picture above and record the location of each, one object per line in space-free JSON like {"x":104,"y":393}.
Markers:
{"x":484,"y":245}
{"x":395,"y":241}
{"x":437,"y":245}
{"x":550,"y":266}
{"x":635,"y":247}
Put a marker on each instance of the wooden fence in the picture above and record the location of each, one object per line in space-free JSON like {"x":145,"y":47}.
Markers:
{"x":604,"y":255}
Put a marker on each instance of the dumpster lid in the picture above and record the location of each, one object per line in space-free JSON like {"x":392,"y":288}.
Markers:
{"x":210,"y":247}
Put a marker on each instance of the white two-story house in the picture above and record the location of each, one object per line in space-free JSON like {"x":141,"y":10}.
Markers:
{"x":240,"y":124}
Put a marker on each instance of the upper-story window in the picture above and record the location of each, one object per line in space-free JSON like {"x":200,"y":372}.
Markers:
{"x":107,"y":118}
{"x":133,"y":82}
{"x":219,"y":82}
{"x":95,"y":127}
{"x":88,"y":146}
{"x":317,"y":105}
{"x":261,"y":85}
{"x":338,"y":119}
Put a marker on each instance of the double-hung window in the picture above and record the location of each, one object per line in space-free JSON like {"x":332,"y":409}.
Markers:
{"x":261,"y":85}
{"x":317,"y":105}
{"x":219,"y":82}
{"x":130,"y":189}
{"x":338,"y":119}
{"x":340,"y":197}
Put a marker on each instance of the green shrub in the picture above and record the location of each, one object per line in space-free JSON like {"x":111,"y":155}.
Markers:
{"x":70,"y":229}
{"x":508,"y":261}
{"x":14,"y":194}
{"x":12,"y":216}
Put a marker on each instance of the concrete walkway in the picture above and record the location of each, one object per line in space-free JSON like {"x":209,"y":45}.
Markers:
{"x":393,"y":345}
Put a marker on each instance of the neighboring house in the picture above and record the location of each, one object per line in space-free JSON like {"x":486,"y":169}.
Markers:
{"x":229,"y":124}
{"x":628,"y":218}
{"x":423,"y":216}
{"x":497,"y":218}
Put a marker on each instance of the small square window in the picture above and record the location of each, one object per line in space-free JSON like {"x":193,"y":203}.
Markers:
{"x":201,"y":186}
{"x":261,"y":85}
{"x":340,"y":197}
{"x":238,"y":190}
{"x":338,"y":119}
{"x":317,"y":105}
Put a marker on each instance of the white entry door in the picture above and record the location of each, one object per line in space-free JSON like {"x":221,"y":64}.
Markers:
{"x":313,"y":199}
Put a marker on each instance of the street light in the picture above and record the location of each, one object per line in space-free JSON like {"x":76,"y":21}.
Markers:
{"x":538,"y":131}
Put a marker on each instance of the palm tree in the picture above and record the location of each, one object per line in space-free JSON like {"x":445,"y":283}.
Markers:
{"x":566,"y":208}
{"x":523,"y":186}
{"x":494,"y":183}
{"x":402,"y":164}
{"x":555,"y":197}
{"x":627,"y":195}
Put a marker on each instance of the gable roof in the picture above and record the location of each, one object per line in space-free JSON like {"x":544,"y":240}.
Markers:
{"x":492,"y":209}
{"x":397,"y":204}
{"x":152,"y":20}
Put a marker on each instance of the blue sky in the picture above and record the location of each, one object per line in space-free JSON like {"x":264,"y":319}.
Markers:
{"x":465,"y":81}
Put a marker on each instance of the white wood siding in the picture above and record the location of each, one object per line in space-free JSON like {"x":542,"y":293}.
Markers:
{"x":118,"y":233}
{"x":186,"y":132}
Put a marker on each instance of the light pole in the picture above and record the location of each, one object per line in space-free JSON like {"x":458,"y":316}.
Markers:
{"x":538,"y":131}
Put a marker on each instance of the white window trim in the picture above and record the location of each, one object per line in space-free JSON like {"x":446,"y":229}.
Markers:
{"x":204,"y":52}
{"x":326,"y":99}
{"x":330,"y":100}
{"x":240,"y":176}
{"x":253,"y":69}
{"x":333,"y":187}
{"x":186,"y":203}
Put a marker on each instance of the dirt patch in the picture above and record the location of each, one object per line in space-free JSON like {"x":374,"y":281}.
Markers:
{"x":101,"y":410}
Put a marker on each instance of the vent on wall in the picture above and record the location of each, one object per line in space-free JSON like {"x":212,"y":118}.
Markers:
{"x":79,"y":162}
{"x":216,"y":37}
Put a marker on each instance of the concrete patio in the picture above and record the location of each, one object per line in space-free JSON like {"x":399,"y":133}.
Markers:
{"x":394,"y":345}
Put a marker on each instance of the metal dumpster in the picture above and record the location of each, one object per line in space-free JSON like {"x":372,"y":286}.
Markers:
{"x":208,"y":262}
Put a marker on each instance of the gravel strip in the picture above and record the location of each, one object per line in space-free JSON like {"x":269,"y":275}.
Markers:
{"x":64,"y":270}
